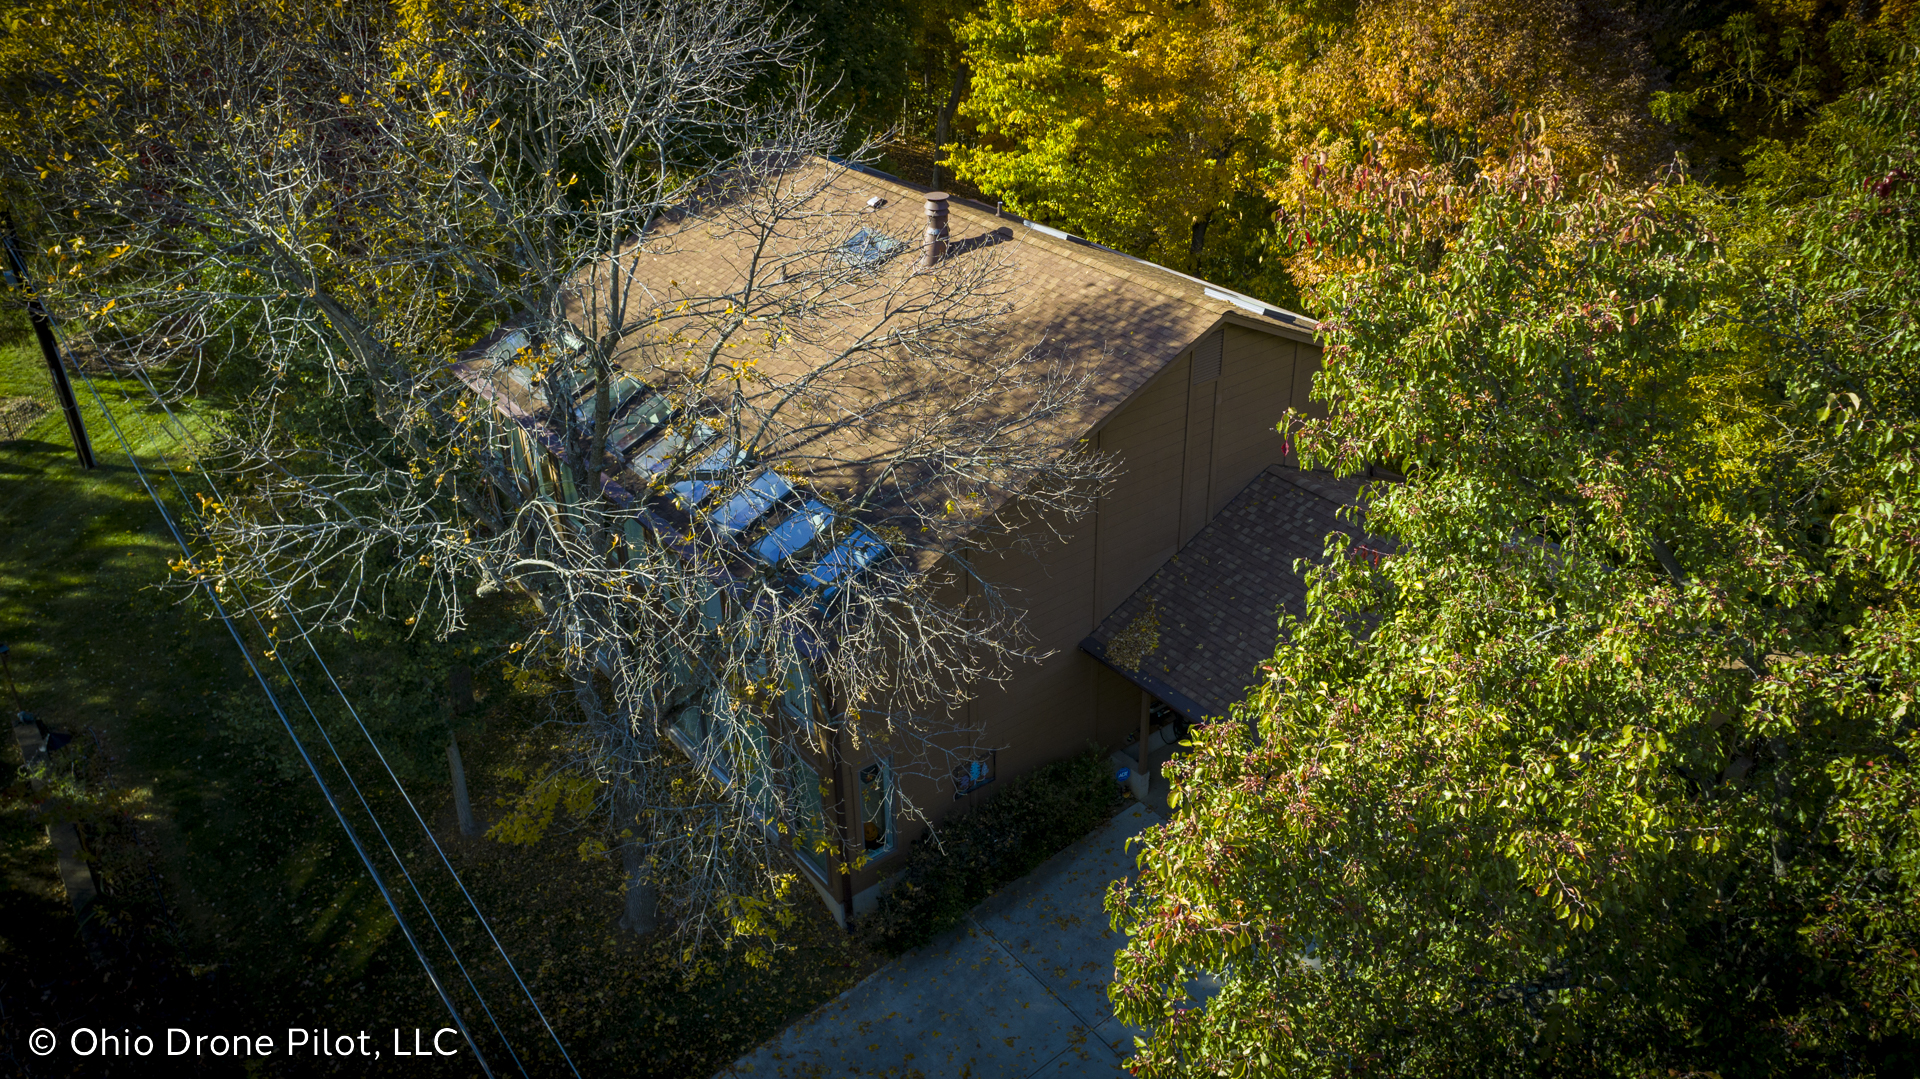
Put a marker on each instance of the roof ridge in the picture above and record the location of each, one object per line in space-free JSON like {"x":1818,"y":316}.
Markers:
{"x":1280,"y":472}
{"x":1063,"y":242}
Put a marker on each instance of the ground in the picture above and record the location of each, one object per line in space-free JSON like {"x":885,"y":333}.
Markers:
{"x":234,"y":902}
{"x":1018,"y":990}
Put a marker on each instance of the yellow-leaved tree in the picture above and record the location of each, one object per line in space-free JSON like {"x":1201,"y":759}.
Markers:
{"x":1143,"y":126}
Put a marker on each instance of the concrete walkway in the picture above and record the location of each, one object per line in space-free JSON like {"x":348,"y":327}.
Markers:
{"x":1020,"y":990}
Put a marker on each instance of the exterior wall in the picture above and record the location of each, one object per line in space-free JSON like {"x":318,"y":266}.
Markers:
{"x":1185,"y":449}
{"x":1256,"y":387}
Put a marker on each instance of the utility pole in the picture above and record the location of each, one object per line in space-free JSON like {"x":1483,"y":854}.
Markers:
{"x":15,"y":273}
{"x":6,"y":659}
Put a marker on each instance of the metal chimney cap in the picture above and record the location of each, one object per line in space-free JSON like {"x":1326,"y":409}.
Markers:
{"x":937,"y":202}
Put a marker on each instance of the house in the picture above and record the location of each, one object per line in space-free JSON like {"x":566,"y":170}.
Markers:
{"x":1151,"y":611}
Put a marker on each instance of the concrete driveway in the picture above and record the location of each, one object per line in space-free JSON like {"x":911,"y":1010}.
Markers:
{"x":1019,"y":990}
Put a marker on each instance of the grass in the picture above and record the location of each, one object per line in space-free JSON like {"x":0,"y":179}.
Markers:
{"x":234,"y":901}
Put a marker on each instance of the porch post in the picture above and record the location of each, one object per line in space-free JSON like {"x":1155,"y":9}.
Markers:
{"x":1144,"y":755}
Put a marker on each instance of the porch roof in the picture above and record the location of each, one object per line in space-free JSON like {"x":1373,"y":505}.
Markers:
{"x":1196,"y":632}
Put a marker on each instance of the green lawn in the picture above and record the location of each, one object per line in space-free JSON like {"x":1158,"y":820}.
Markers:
{"x":237,"y":894}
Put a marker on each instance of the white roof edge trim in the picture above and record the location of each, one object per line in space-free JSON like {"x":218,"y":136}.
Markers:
{"x":1248,"y":303}
{"x":1213,"y":291}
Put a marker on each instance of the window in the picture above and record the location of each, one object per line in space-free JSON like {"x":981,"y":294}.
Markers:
{"x":794,"y":533}
{"x":855,"y":553}
{"x":655,"y":458}
{"x":812,"y":839}
{"x":796,"y":695}
{"x":693,"y":726}
{"x":970,"y":776}
{"x":876,"y":808}
{"x":708,"y":474}
{"x":632,"y":425}
{"x":509,"y":346}
{"x":756,"y":498}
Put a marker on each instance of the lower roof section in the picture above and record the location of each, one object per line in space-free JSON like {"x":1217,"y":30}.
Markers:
{"x":1195,"y":633}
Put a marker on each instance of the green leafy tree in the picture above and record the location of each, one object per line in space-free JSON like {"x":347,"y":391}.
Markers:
{"x":1608,"y":767}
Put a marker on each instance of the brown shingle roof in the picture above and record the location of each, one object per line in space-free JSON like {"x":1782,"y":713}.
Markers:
{"x":1125,"y":317}
{"x":1217,"y":603}
{"x":1116,"y":319}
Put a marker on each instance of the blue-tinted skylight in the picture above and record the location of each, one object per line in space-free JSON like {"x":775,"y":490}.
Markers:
{"x":794,"y":533}
{"x":855,"y":553}
{"x":654,"y":458}
{"x":758,"y":497}
{"x":624,"y":389}
{"x":868,"y":248}
{"x":642,"y":418}
{"x":708,"y":474}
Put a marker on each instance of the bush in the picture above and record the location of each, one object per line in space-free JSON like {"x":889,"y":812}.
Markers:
{"x":1034,"y":818}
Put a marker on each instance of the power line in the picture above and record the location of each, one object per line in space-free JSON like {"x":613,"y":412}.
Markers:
{"x":287,"y":672}
{"x":307,"y":638}
{"x":326,"y":793}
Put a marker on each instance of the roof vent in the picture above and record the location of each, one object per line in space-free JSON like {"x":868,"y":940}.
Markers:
{"x":1206,"y":358}
{"x":936,"y":229}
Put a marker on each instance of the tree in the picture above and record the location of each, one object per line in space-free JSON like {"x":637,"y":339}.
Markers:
{"x":321,"y":209}
{"x":1608,"y":767}
{"x":1145,"y":127}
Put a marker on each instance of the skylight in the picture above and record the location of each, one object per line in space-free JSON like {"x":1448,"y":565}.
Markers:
{"x":758,"y":497}
{"x":511,"y":344}
{"x":868,"y":248}
{"x":655,"y":457}
{"x":708,"y":473}
{"x":794,"y":533}
{"x":855,"y":553}
{"x":649,"y":410}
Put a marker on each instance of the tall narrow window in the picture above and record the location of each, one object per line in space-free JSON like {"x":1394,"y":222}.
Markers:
{"x":796,"y":695}
{"x":876,"y":808}
{"x":812,"y":839}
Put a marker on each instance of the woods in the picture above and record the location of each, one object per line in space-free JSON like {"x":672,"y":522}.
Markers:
{"x":1606,"y":767}
{"x":1602,"y":762}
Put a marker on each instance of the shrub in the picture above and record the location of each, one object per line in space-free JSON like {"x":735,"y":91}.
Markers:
{"x":969,"y":855}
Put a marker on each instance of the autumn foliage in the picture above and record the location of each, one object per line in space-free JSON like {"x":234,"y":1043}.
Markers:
{"x":1609,"y":768}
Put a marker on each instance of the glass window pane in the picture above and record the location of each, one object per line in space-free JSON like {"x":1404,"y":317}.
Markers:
{"x":632,"y":426}
{"x":796,"y":695}
{"x":854,"y":554}
{"x":876,"y":807}
{"x":794,"y":533}
{"x":746,"y":507}
{"x":811,"y":837}
{"x":707,"y":474}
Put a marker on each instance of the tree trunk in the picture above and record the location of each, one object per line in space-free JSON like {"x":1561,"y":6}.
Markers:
{"x":462,"y":808}
{"x":1199,"y":240}
{"x":943,"y":120}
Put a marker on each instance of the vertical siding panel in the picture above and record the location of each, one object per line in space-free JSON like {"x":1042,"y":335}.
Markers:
{"x":1256,"y":386}
{"x":1303,"y":372}
{"x":1197,"y":474}
{"x":1140,"y":516}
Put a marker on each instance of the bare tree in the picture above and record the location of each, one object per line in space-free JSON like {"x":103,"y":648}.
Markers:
{"x":567,"y":298}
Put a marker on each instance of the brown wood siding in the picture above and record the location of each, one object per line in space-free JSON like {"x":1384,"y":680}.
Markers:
{"x":1256,"y":386}
{"x":1140,"y":516}
{"x":1303,"y":371}
{"x":1045,"y":711}
{"x":1197,"y":472}
{"x":1185,"y":449}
